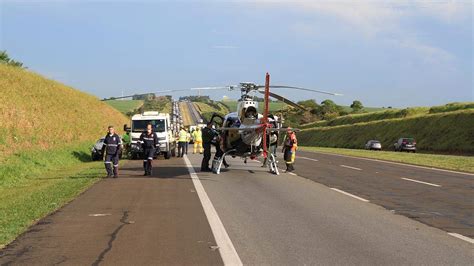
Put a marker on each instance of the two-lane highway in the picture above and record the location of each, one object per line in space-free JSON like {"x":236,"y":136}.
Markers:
{"x":181,"y":216}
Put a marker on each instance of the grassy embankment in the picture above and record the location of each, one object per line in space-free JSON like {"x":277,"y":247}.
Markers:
{"x":125,"y":106}
{"x":46,"y":131}
{"x":435,"y":131}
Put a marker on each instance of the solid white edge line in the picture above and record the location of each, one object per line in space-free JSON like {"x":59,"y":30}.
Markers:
{"x":396,"y":163}
{"x":226,"y":248}
{"x":421,"y":182}
{"x":310,"y":159}
{"x":465,"y":238}
{"x":350,"y":167}
{"x":349,"y":194}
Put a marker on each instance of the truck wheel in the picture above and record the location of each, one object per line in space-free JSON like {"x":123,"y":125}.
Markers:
{"x":168,"y":155}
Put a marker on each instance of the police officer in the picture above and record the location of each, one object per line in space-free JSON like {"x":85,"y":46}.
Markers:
{"x":208,"y":135}
{"x":150,"y":143}
{"x":113,"y":147}
{"x":182,"y":138}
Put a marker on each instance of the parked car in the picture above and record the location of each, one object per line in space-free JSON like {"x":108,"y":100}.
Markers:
{"x":373,"y":145}
{"x":96,"y":151}
{"x":405,"y":144}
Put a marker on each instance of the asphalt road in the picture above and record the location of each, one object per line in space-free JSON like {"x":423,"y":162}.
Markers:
{"x":266,"y":219}
{"x":132,"y":220}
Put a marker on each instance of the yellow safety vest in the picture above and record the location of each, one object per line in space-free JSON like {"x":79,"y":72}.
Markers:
{"x":183,"y":136}
{"x":197,"y":135}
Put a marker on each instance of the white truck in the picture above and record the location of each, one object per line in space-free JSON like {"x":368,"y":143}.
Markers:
{"x":161,"y":123}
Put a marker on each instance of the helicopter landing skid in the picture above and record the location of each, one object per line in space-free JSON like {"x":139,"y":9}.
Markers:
{"x":272,"y":164}
{"x":217,"y":162}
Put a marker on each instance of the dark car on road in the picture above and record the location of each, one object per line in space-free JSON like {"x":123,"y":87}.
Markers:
{"x":405,"y":144}
{"x":373,"y":145}
{"x":97,"y":151}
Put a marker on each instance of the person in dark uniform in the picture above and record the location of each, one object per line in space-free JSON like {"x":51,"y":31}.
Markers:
{"x":150,"y":143}
{"x":208,"y":135}
{"x":113,"y":147}
{"x":220,"y":152}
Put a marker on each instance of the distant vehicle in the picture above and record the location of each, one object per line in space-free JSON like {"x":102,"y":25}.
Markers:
{"x":96,"y":151}
{"x":161,"y":123}
{"x":373,"y":145}
{"x":405,"y":144}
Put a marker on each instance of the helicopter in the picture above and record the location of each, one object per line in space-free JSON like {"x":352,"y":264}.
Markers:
{"x":246,"y":133}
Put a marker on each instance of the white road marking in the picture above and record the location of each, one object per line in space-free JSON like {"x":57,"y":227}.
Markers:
{"x":99,"y":214}
{"x":226,"y":248}
{"x":310,"y":159}
{"x":402,"y":164}
{"x":291,"y":173}
{"x":421,"y":182}
{"x":465,"y":238}
{"x":350,"y":195}
{"x":350,"y":167}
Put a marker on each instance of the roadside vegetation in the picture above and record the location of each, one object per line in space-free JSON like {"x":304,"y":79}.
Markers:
{"x":47,"y":130}
{"x":206,"y":110}
{"x":448,"y":132}
{"x":449,"y":162}
{"x":125,"y":106}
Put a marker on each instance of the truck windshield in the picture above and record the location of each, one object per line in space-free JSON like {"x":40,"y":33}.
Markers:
{"x":157,"y":124}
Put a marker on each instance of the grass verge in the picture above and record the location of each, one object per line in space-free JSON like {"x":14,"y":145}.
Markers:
{"x":449,"y":162}
{"x":34,"y":184}
{"x":125,"y":106}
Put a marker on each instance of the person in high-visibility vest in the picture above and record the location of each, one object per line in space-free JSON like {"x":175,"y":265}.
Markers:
{"x":290,"y":145}
{"x":182,"y":138}
{"x":197,"y":137}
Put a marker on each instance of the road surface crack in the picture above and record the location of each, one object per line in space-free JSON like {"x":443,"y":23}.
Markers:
{"x":113,"y":236}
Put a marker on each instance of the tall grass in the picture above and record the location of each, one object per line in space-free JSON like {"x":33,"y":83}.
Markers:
{"x":125,"y":106}
{"x":37,"y":113}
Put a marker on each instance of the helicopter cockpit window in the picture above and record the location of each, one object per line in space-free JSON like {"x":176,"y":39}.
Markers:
{"x":251,"y":112}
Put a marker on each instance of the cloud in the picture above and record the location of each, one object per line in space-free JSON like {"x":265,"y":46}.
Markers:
{"x":382,"y":19}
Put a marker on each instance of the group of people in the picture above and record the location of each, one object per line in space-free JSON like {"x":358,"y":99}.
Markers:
{"x":113,"y":147}
{"x":184,"y":137}
{"x":203,"y":141}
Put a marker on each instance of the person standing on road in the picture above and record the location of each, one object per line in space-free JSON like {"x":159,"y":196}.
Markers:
{"x":208,"y":135}
{"x":113,"y":147}
{"x":150,"y":143}
{"x":197,"y":137}
{"x":188,"y":139}
{"x":290,"y":144}
{"x":182,"y":138}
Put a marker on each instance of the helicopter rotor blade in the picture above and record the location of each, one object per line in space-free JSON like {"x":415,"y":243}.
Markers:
{"x":302,"y":89}
{"x":230,"y":87}
{"x":284,"y":100}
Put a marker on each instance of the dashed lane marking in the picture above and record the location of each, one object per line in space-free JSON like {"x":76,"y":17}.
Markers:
{"x":421,"y":182}
{"x":350,"y":195}
{"x":351,"y":167}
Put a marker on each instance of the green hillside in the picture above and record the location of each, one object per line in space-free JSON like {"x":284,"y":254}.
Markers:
{"x":451,"y":132}
{"x":46,"y":132}
{"x":125,"y":106}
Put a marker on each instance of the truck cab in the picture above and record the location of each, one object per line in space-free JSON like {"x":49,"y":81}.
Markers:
{"x":161,"y":123}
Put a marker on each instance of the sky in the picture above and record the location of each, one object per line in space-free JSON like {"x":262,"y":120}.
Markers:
{"x":383,"y":53}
